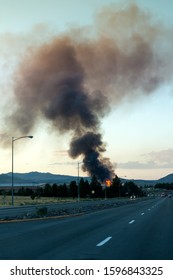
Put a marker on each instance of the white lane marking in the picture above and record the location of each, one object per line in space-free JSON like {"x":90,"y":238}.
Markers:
{"x":149,"y":209}
{"x":131,"y":222}
{"x":104,"y":241}
{"x":142,"y":214}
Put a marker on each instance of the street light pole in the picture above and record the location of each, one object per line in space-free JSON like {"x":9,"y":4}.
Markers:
{"x":78,"y":187}
{"x":12,"y":173}
{"x":12,"y":180}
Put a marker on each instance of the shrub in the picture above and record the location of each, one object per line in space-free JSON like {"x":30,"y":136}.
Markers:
{"x":42,"y":211}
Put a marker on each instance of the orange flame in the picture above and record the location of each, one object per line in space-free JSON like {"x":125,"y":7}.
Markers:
{"x":108,"y":182}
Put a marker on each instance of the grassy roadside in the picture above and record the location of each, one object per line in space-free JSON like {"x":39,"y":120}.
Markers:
{"x":26,"y":200}
{"x":43,"y":211}
{"x":6,"y":200}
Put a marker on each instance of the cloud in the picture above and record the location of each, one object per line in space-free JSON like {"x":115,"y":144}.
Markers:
{"x":136,"y":165}
{"x":64,"y":163}
{"x":61,"y":153}
{"x":163,"y":156}
{"x":153,"y":160}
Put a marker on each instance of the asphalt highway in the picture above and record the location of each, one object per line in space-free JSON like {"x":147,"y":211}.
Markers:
{"x":139,"y":231}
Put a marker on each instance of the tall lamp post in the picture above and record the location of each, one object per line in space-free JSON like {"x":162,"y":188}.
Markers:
{"x":78,"y":187}
{"x":12,"y":174}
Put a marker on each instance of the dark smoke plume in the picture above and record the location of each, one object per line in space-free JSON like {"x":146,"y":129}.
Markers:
{"x":73,"y":80}
{"x":51,"y":85}
{"x":92,"y":146}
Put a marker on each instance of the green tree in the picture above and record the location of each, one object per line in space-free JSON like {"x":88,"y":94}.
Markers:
{"x":116,"y":188}
{"x":55,"y":190}
{"x":33,"y":195}
{"x":84,"y":188}
{"x":21,"y":192}
{"x":96,"y":188}
{"x":47,"y":190}
{"x":133,"y":189}
{"x":39,"y":192}
{"x":73,"y":189}
{"x":62,"y":191}
{"x":28,"y":192}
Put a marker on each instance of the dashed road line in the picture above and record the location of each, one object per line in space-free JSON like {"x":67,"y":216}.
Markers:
{"x":104,"y":241}
{"x":109,"y":237}
{"x":131,"y":222}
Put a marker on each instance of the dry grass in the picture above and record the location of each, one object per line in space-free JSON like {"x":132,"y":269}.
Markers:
{"x":26,"y":200}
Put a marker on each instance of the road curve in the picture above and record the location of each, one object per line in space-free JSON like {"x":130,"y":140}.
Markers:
{"x":133,"y":231}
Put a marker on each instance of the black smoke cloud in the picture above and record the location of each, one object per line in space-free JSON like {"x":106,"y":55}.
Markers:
{"x":72,"y":80}
{"x":91,"y":145}
{"x":52,"y":86}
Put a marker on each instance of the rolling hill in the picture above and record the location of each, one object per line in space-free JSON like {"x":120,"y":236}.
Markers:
{"x":35,"y":178}
{"x":40,"y":178}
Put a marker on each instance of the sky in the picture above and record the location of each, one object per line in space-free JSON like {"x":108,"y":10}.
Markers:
{"x":137,"y":128}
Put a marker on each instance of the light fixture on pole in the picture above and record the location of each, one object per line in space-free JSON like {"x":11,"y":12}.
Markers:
{"x":12,"y":174}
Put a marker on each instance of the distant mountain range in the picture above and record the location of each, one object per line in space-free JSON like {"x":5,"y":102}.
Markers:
{"x":41,"y":178}
{"x":35,"y":178}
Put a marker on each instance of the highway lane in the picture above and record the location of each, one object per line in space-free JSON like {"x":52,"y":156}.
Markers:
{"x":136,"y":231}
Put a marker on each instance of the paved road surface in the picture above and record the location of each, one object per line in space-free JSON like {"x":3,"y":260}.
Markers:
{"x":139,"y":231}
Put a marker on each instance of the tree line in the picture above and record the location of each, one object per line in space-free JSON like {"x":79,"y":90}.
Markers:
{"x":86,"y":189}
{"x":164,"y":186}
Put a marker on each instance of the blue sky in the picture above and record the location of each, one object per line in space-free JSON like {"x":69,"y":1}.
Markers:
{"x":137,"y":130}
